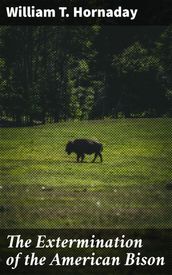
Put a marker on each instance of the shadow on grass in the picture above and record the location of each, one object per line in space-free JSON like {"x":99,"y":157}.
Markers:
{"x":45,"y":161}
{"x":86,"y":162}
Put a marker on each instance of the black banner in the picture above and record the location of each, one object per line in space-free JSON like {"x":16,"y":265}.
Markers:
{"x":85,"y":251}
{"x":34,"y":12}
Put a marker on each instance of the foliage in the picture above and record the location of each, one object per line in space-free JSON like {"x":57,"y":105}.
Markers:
{"x":54,"y":73}
{"x":138,"y":70}
{"x":164,"y":51}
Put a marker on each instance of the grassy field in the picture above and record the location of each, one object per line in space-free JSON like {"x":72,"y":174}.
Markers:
{"x":40,"y":185}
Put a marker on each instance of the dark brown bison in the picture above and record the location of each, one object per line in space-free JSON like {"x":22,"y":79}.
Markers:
{"x":84,"y":146}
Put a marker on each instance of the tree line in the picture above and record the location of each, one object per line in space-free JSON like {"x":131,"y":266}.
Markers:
{"x":57,"y":73}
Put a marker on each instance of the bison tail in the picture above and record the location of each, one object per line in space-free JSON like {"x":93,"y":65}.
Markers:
{"x":101,"y":148}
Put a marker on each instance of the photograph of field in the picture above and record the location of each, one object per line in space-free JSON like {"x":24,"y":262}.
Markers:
{"x":42,"y":186}
{"x":108,"y":84}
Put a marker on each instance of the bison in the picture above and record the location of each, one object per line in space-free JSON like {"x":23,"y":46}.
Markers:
{"x":84,"y":146}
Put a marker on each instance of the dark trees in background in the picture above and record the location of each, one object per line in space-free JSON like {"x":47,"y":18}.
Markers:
{"x":140,"y":89}
{"x":164,"y":53}
{"x":84,"y":72}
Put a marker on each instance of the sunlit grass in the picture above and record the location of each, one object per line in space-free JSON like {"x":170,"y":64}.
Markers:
{"x":135,"y":151}
{"x":41,"y":186}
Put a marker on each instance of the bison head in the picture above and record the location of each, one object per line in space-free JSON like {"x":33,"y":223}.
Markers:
{"x":69,"y":147}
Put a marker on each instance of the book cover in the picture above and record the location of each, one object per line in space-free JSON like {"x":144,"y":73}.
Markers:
{"x":85,"y":137}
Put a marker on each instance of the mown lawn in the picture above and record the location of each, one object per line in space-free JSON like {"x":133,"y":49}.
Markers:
{"x":128,"y":189}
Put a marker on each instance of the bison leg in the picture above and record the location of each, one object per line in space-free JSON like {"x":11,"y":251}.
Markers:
{"x":78,"y":157}
{"x":82,"y":157}
{"x":100,"y":155}
{"x":95,"y":157}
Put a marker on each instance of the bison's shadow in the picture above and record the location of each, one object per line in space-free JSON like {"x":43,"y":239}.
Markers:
{"x":84,"y":162}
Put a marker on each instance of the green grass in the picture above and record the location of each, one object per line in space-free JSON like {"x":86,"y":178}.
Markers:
{"x":126,"y":190}
{"x":135,"y":151}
